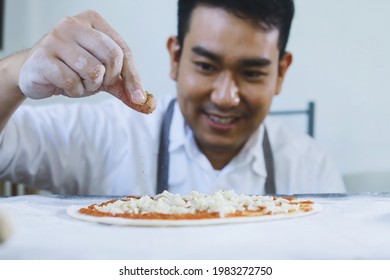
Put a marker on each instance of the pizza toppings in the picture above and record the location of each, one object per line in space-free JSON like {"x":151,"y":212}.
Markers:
{"x":197,"y":206}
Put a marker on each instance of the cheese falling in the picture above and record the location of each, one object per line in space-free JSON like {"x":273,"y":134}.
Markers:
{"x":222,"y":202}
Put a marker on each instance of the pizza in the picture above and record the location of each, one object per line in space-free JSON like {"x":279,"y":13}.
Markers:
{"x":167,"y":209}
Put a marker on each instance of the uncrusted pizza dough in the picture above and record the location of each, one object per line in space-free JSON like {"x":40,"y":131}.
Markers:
{"x":5,"y":226}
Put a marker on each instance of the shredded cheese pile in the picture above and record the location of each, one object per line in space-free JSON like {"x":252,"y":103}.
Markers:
{"x":222,"y":202}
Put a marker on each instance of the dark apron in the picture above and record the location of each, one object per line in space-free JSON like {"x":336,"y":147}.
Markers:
{"x":163,"y":156}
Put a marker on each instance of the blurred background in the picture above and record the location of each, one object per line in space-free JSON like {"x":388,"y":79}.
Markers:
{"x":341,"y":61}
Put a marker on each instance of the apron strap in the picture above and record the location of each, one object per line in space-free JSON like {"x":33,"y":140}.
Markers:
{"x":163,"y":151}
{"x":269,"y":186}
{"x":163,"y":155}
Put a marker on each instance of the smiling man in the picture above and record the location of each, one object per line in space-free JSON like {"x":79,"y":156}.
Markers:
{"x":227,"y":73}
{"x":229,"y":61}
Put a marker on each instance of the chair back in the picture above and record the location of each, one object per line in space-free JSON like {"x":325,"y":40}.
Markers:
{"x":308,"y":113}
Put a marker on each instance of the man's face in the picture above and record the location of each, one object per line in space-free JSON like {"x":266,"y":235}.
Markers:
{"x":227,"y":73}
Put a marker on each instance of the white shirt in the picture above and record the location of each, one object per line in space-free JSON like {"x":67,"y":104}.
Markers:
{"x":110,"y":149}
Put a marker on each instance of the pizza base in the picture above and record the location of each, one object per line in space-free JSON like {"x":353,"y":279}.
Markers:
{"x":73,"y":211}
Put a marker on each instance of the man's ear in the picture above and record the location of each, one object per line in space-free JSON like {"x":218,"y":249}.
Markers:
{"x":284,"y":64}
{"x":174,"y":50}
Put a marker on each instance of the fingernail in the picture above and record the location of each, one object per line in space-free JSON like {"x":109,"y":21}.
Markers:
{"x":138,"y":97}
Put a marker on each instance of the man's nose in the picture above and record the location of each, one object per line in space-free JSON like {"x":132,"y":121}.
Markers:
{"x":225,"y":93}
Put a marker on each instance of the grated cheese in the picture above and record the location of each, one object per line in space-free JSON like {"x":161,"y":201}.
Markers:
{"x":222,"y":202}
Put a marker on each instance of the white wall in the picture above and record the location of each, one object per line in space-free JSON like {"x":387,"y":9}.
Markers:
{"x":341,"y":62}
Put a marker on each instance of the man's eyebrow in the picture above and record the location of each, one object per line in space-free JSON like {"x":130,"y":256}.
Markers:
{"x":245,"y":62}
{"x":255,"y":62}
{"x":206,"y":53}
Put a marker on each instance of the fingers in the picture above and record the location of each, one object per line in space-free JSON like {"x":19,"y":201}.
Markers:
{"x":105,"y":50}
{"x":42,"y":76}
{"x":90,"y":70}
{"x":90,"y":53}
{"x":130,"y":77}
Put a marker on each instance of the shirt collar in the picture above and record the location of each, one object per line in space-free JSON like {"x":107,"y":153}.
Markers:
{"x":252,"y":153}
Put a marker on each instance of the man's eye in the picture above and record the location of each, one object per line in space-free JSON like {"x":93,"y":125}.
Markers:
{"x":205,"y":67}
{"x":253,"y":74}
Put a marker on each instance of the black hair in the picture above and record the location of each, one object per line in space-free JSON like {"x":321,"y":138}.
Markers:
{"x":267,"y":14}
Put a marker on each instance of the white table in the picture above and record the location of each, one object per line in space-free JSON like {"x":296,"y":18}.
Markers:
{"x":352,"y":226}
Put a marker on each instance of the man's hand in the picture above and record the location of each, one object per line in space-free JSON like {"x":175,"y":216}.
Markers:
{"x":81,"y":56}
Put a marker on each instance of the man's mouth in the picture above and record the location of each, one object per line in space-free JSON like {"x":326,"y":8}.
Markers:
{"x":222,"y":120}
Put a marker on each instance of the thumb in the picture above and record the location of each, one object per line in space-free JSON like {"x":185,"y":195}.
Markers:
{"x":120,"y":91}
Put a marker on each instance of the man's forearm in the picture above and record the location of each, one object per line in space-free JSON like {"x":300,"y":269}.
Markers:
{"x":10,"y":95}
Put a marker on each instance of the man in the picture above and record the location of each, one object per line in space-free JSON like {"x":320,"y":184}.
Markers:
{"x":229,"y":61}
